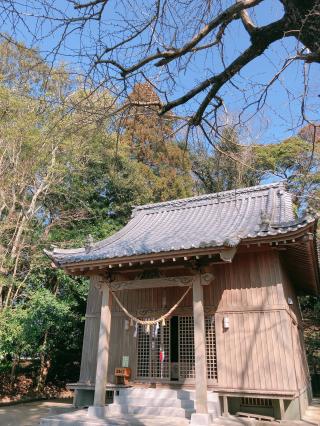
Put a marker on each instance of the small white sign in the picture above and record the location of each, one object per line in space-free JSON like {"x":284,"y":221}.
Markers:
{"x":125,"y":361}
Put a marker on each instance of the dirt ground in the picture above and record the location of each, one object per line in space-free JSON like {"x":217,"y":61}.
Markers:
{"x":29,"y":414}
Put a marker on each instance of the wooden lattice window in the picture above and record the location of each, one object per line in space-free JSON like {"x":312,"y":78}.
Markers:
{"x":143,"y":352}
{"x":256,"y":402}
{"x":186,"y":348}
{"x":149,"y":346}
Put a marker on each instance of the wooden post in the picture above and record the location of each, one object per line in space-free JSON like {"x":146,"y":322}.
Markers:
{"x":200,"y":347}
{"x":282,"y":410}
{"x":103,"y":349}
{"x":225,"y":406}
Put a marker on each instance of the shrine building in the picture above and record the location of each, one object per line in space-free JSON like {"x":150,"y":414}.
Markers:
{"x":192,"y":309}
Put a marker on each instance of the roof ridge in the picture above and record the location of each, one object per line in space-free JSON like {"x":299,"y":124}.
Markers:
{"x":211,"y":196}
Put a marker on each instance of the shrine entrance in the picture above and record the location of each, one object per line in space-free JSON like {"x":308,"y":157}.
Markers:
{"x":166,"y":353}
{"x":153,"y":357}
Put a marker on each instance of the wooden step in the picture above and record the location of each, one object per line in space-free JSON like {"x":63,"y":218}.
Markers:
{"x":255,"y":416}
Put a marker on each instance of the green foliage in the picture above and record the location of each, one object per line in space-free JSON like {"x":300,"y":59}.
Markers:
{"x":310,"y":307}
{"x":228,"y":166}
{"x":295,"y":159}
{"x":11,"y":332}
{"x":281,"y":159}
{"x":64,"y":176}
{"x":149,"y":140}
{"x":44,"y":314}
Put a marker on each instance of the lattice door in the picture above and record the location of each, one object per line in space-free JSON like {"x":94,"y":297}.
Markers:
{"x":211,"y":348}
{"x":150,"y":344}
{"x":186,"y":348}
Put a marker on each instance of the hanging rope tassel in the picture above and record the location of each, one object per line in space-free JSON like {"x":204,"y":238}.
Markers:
{"x":156,"y":330}
{"x":162,"y":319}
{"x":135,"y":333}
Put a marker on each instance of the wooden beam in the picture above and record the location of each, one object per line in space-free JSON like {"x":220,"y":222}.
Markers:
{"x":180,"y":281}
{"x":200,"y":347}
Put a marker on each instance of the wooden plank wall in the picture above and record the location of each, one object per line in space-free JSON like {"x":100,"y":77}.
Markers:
{"x":300,"y":359}
{"x":255,"y":353}
{"x":251,"y":280}
{"x":123,"y":343}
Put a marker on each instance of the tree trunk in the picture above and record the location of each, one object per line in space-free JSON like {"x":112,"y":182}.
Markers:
{"x":15,"y":363}
{"x":303,"y":17}
{"x":45,"y":364}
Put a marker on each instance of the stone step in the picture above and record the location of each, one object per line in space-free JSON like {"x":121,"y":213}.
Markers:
{"x":118,"y":410}
{"x":229,"y":421}
{"x":163,"y":393}
{"x":154,"y":402}
{"x":213,"y":406}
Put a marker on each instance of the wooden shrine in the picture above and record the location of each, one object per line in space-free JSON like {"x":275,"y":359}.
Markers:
{"x":201,"y":294}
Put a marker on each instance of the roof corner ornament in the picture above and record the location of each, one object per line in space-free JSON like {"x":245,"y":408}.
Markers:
{"x":265,"y":220}
{"x":88,"y":244}
{"x":228,"y":255}
{"x":53,"y":247}
{"x":310,"y":214}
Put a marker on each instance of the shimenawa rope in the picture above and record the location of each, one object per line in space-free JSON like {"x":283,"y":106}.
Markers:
{"x":151,"y":322}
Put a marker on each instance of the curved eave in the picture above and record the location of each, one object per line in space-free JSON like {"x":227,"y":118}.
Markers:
{"x":279,"y":238}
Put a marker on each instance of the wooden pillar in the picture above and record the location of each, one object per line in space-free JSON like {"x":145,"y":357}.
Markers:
{"x":200,"y":347}
{"x":103,"y":349}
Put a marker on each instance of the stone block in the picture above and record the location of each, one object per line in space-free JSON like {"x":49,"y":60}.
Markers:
{"x":201,"y":419}
{"x":99,"y":412}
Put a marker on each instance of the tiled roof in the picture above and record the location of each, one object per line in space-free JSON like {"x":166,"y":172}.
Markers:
{"x":214,"y":220}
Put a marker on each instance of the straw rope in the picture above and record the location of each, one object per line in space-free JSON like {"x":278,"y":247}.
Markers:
{"x":151,"y":322}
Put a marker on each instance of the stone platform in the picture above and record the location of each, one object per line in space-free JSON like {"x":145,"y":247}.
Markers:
{"x":81,"y":418}
{"x":143,"y":406}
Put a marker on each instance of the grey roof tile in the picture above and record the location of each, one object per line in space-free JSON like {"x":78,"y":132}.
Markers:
{"x":212,"y":220}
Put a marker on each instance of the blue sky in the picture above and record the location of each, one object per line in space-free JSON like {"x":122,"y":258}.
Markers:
{"x":280,"y":117}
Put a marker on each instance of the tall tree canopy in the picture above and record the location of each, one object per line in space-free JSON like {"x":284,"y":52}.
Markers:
{"x":64,"y":175}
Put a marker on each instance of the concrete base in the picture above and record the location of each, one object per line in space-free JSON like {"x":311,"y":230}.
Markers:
{"x":80,"y":418}
{"x":98,"y":412}
{"x":198,"y":419}
{"x":83,"y":398}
